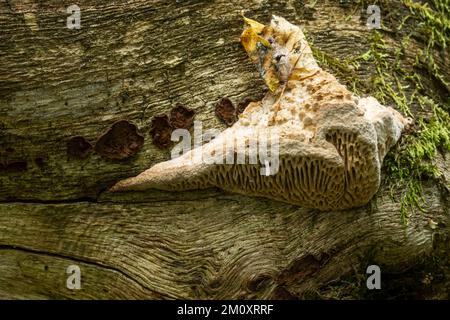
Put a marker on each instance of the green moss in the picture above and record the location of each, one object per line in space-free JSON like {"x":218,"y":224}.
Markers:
{"x":422,"y":93}
{"x":385,"y":83}
{"x":433,"y":20}
{"x":344,"y":70}
{"x":433,"y":26}
{"x":412,"y":159}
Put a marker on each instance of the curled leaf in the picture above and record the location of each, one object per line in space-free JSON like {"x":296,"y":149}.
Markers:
{"x":255,"y":25}
{"x":256,"y":41}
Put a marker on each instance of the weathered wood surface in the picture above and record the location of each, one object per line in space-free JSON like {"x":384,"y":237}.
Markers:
{"x":133,"y":60}
{"x":205,"y":246}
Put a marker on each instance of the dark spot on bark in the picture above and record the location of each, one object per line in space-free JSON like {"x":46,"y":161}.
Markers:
{"x":181,"y":117}
{"x":281,"y":293}
{"x":179,"y":69}
{"x":242,"y":105}
{"x":345,"y":3}
{"x":302,"y":269}
{"x":9,"y":150}
{"x":16,"y":166}
{"x":78,"y":148}
{"x":161,"y":131}
{"x":215,"y":283}
{"x":46,"y":268}
{"x":259,"y":282}
{"x":120,"y":142}
{"x":40,"y":161}
{"x":124,"y":96}
{"x":225,"y":111}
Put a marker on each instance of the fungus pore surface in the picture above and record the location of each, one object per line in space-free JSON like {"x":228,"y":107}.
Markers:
{"x":330,"y":143}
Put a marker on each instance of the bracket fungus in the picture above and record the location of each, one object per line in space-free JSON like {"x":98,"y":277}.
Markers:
{"x":78,"y":148}
{"x":120,"y":142}
{"x":331,"y":142}
{"x":161,"y":130}
{"x":181,"y":117}
{"x":226,"y":111}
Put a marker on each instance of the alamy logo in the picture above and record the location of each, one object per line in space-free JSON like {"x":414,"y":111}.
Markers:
{"x":243,"y":146}
{"x":74,"y":20}
{"x":74,"y":279}
{"x":374,"y":20}
{"x":374,"y":280}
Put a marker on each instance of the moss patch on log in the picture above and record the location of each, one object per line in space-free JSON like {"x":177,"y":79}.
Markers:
{"x":415,"y":87}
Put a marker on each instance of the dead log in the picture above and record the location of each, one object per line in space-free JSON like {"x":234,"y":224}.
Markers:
{"x":132,"y":61}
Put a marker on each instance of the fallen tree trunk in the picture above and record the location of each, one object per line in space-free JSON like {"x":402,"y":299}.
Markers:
{"x":135,"y":60}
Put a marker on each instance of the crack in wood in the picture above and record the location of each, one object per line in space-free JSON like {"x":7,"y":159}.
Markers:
{"x":79,"y":260}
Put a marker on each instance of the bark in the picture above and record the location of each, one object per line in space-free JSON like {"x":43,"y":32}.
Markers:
{"x":134,"y":60}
